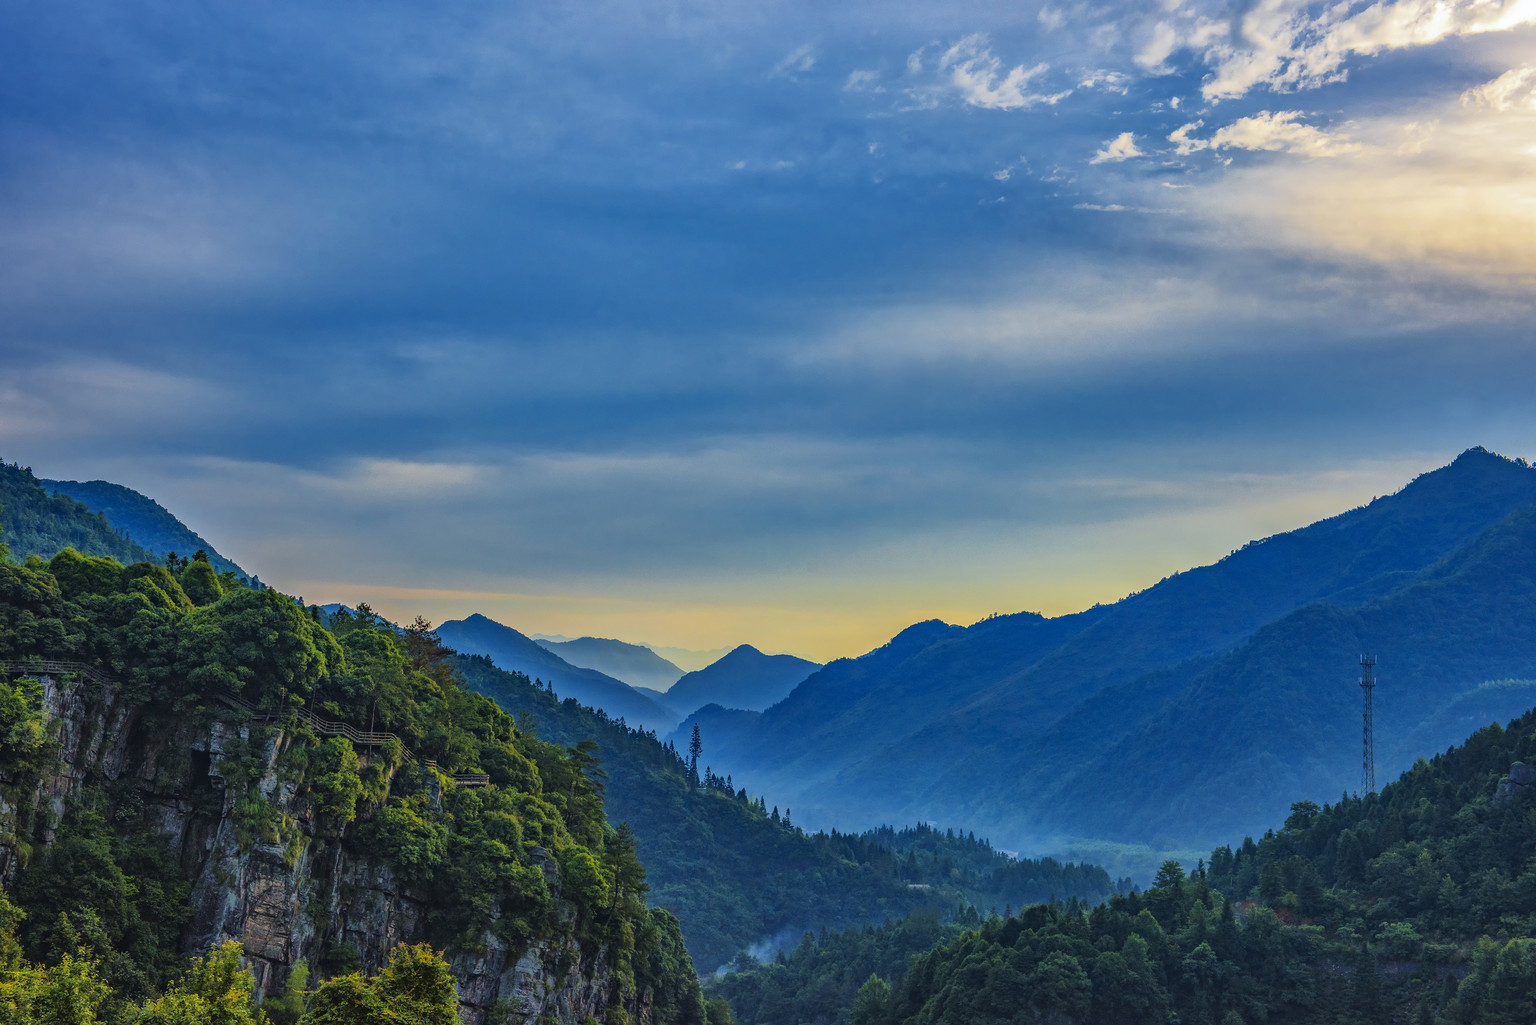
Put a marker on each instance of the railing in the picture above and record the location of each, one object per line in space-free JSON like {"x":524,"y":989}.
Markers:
{"x":322,"y":726}
{"x":52,"y":667}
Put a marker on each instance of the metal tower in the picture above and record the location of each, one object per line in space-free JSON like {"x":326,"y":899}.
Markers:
{"x":1368,"y":758}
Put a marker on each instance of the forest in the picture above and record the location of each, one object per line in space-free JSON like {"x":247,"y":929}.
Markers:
{"x":1414,"y":904}
{"x":735,"y":869}
{"x":106,"y":892}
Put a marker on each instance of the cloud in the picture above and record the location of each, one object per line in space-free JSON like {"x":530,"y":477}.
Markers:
{"x":1110,"y":81}
{"x":1183,"y":139}
{"x":1513,"y":90}
{"x":1265,"y":131}
{"x":1283,"y":132}
{"x":1157,"y":49}
{"x":977,"y":75}
{"x":863,"y":81}
{"x":1278,"y":44}
{"x":1457,"y":199}
{"x":797,"y":61}
{"x":1121,"y":147}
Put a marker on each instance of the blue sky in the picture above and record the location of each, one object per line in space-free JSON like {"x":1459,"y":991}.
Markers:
{"x":787,"y":323}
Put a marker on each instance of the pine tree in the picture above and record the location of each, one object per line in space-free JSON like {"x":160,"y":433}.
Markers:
{"x":695,"y":748}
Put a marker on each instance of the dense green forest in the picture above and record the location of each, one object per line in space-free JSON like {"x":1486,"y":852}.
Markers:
{"x":1415,"y":904}
{"x":108,"y":888}
{"x":735,"y":869}
{"x":141,"y":518}
{"x":414,"y":988}
{"x":34,"y":522}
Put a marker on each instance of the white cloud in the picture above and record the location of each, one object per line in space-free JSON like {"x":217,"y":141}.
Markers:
{"x":1184,"y":141}
{"x":977,"y":74}
{"x":1513,"y":90}
{"x":863,"y":81}
{"x":1281,"y":131}
{"x":1156,"y":50}
{"x":1111,"y":81}
{"x":1121,"y":147}
{"x":1268,"y":131}
{"x":1458,"y":198}
{"x":1279,"y":45}
{"x":797,"y":61}
{"x":1051,"y":19}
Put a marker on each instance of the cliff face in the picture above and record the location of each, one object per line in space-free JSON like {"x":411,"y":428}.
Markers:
{"x":285,"y":897}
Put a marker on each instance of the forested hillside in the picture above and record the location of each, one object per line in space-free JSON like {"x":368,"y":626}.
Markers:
{"x":634,"y":664}
{"x":511,"y":650}
{"x":734,"y":868}
{"x":1417,"y":904}
{"x":141,"y":518}
{"x":35,"y":522}
{"x":189,"y":817}
{"x":1152,"y":721}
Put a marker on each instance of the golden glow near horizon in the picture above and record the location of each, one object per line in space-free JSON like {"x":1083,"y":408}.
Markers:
{"x":847,"y":609}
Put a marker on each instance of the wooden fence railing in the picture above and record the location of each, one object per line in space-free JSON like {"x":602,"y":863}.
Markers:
{"x":322,"y":726}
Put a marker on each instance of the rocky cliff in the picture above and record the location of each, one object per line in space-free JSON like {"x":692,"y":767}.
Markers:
{"x":298,"y":891}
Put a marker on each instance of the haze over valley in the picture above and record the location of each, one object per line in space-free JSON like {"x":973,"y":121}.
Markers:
{"x":678,"y":513}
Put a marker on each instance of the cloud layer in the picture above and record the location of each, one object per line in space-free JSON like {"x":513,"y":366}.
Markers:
{"x":811,"y":319}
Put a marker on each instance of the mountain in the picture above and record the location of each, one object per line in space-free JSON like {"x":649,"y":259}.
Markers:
{"x":36,"y":522}
{"x":515,"y":652}
{"x":744,"y":678}
{"x":739,"y":876}
{"x":635,"y":664}
{"x":686,"y":659}
{"x":140,"y":518}
{"x":1414,"y":904}
{"x":216,"y":810}
{"x":689,"y":659}
{"x":1175,"y":695}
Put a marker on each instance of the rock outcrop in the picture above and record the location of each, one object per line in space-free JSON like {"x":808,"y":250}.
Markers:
{"x":286,"y":899}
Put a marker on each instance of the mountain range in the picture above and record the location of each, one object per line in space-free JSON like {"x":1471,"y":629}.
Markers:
{"x":635,"y":664}
{"x":1195,"y":709}
{"x":518,"y":653}
{"x":745,"y":678}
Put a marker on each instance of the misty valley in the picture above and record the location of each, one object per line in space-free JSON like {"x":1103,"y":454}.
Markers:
{"x":220,"y":804}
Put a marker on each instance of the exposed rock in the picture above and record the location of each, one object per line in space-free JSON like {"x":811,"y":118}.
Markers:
{"x":1520,"y":781}
{"x":285,"y":901}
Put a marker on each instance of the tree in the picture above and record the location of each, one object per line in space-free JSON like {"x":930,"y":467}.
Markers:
{"x":874,"y":998}
{"x":415,"y":988}
{"x":695,"y":748}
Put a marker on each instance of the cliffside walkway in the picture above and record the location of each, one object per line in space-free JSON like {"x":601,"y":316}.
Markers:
{"x":325,"y":727}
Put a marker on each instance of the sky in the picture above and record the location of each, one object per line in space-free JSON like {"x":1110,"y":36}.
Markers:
{"x":783,"y":323}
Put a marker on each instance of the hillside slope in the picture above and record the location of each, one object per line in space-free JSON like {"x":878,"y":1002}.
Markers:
{"x":35,"y":522}
{"x":1030,"y":700}
{"x":141,"y":518}
{"x":510,"y":650}
{"x":634,"y":664}
{"x":1416,"y":904}
{"x":743,"y":678}
{"x":739,"y":875}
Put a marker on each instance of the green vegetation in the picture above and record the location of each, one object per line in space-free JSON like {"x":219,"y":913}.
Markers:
{"x":1415,"y":904}
{"x":1188,"y":713}
{"x":141,"y":518}
{"x":529,"y":857}
{"x":737,"y":872}
{"x":38,"y":523}
{"x":415,"y":988}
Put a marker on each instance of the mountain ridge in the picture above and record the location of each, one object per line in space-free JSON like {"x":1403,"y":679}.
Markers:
{"x":876,"y":736}
{"x":480,"y":635}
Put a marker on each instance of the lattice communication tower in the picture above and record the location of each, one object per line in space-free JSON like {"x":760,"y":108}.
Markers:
{"x":1368,"y":757}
